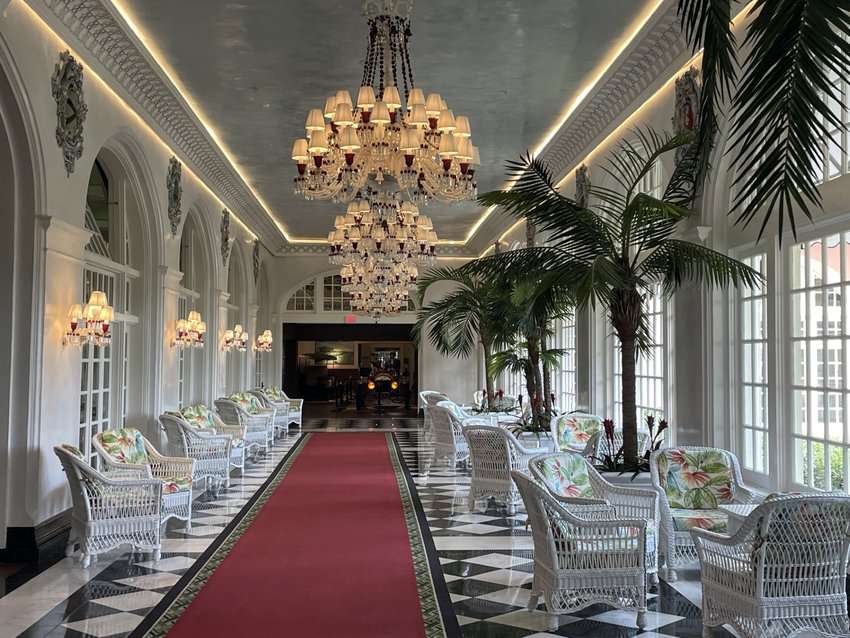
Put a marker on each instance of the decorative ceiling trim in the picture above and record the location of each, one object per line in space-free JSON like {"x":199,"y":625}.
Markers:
{"x":96,"y":31}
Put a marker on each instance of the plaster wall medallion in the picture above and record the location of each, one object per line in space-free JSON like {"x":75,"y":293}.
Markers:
{"x":255,"y":257}
{"x":67,"y":89}
{"x":686,"y":114}
{"x":582,"y":186}
{"x":175,"y":193}
{"x":225,"y":236}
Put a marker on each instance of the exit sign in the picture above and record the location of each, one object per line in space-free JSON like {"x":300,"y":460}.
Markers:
{"x":350,"y":318}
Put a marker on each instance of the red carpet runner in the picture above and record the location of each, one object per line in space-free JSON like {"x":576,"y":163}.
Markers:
{"x":327,"y":555}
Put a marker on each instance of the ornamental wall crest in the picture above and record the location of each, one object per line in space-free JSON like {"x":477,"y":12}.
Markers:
{"x":582,"y":186}
{"x":174,"y":186}
{"x":67,"y":89}
{"x":686,"y":114}
{"x":256,"y":261}
{"x":225,"y":236}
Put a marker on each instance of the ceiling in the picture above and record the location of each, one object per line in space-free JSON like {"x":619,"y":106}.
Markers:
{"x":253,"y":69}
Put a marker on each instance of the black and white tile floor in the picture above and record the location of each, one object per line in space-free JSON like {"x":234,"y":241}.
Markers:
{"x":486,"y":558}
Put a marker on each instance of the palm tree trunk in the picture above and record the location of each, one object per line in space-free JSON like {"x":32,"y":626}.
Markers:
{"x":627,"y":345}
{"x":488,"y":376}
{"x":533,"y":379}
{"x":547,"y":381}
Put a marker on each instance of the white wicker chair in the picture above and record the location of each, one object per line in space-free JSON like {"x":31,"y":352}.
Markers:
{"x":200,"y":417}
{"x":253,"y":409}
{"x":783,"y":573}
{"x":448,"y":435}
{"x":579,"y":562}
{"x":211,"y":451}
{"x":255,"y":429}
{"x":573,"y":480}
{"x":126,"y":449}
{"x":494,"y":453}
{"x":689,"y":490}
{"x":281,"y":411}
{"x":428,"y":399}
{"x":574,"y":431}
{"x":292,"y":409}
{"x":110,"y":512}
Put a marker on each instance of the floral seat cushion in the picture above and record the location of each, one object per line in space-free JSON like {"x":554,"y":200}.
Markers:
{"x":687,"y":519}
{"x":695,"y":479}
{"x":173,"y":484}
{"x":575,"y":430}
{"x":247,"y":402}
{"x":199,"y":417}
{"x":566,"y":475}
{"x":124,"y":446}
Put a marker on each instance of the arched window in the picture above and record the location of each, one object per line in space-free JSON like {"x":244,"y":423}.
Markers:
{"x":303,"y":299}
{"x":192,"y":296}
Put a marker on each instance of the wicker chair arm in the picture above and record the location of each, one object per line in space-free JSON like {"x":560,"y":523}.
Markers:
{"x":203,"y":445}
{"x":110,"y":500}
{"x":170,"y":466}
{"x":111,"y":465}
{"x":237,"y":431}
{"x":632,"y":501}
{"x":475,"y":420}
{"x":129,"y":473}
{"x":578,"y":500}
{"x":747,"y":495}
{"x":298,"y":402}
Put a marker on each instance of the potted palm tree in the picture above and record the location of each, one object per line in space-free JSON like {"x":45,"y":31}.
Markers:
{"x":615,"y":250}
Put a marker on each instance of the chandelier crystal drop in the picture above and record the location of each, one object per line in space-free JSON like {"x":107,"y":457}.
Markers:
{"x":379,"y":245}
{"x":391,"y":131}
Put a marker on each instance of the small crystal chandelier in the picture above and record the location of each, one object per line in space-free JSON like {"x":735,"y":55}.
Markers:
{"x":89,"y":323}
{"x":417,"y":141}
{"x":236,"y":339}
{"x":264,"y":342}
{"x":379,"y":243}
{"x":190,"y":331}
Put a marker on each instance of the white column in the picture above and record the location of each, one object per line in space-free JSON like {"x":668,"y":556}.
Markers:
{"x":220,"y":357}
{"x":274,"y":375}
{"x":252,"y":328}
{"x":170,"y":355}
{"x":57,"y":283}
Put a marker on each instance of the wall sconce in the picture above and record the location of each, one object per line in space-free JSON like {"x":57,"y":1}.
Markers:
{"x":264,"y":342}
{"x":190,"y":331}
{"x":235,"y":339}
{"x":90,"y":323}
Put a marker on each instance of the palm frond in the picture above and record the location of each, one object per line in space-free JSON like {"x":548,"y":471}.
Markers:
{"x":781,"y":113}
{"x":677,"y":262}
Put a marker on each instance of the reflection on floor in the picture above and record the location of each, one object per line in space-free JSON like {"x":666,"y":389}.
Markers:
{"x":486,"y":557}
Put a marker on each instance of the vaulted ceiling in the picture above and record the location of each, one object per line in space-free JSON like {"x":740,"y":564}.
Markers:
{"x":253,"y":69}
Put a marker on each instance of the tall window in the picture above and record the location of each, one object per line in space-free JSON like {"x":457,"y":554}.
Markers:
{"x":258,"y":370}
{"x":650,"y":368}
{"x":182,"y":358}
{"x":819,"y":287}
{"x":335,"y":300}
{"x":96,"y":378}
{"x":564,"y":378}
{"x":752,"y":371}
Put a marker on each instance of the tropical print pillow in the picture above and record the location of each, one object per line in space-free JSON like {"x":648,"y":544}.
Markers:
{"x":199,"y":417}
{"x":712,"y":520}
{"x":566,"y":474}
{"x":246,"y":401}
{"x":699,"y":480}
{"x":575,"y":430}
{"x":124,"y":446}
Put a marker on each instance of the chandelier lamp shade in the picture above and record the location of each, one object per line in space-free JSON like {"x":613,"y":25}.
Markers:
{"x":264,"y":342}
{"x":236,"y":339}
{"x":392,"y":130}
{"x":89,"y":323}
{"x":190,"y":331}
{"x":379,"y":245}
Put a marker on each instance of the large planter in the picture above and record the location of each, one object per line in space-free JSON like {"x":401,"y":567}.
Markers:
{"x":641,"y":480}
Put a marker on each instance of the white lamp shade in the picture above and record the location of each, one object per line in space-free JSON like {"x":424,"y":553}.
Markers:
{"x":330,"y":107}
{"x":464,"y":149}
{"x":446,"y":122}
{"x":75,"y":313}
{"x":409,"y":140}
{"x":366,"y":97}
{"x":98,"y":298}
{"x":415,"y":97}
{"x":343,"y":97}
{"x":391,"y":98}
{"x":447,"y":146}
{"x":476,"y":158}
{"x":343,"y":115}
{"x":433,"y":105}
{"x":318,"y":143}
{"x":348,"y":140}
{"x":381,"y":114}
{"x":300,"y":153}
{"x":339,"y":221}
{"x":418,"y":116}
{"x":462,"y":126}
{"x":315,"y":120}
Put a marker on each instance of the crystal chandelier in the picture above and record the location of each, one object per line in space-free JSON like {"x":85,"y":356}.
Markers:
{"x":417,"y":141}
{"x":379,"y":244}
{"x":236,"y":339}
{"x":190,"y":331}
{"x":89,"y":323}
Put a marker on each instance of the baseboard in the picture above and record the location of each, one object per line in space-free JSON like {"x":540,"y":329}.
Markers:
{"x":39,"y":543}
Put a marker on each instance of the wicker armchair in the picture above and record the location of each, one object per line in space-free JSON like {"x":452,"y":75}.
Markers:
{"x":783,"y":573}
{"x":579,"y":562}
{"x":691,"y":482}
{"x":428,"y":399}
{"x":573,"y":480}
{"x":126,"y":449}
{"x":295,"y":407}
{"x":255,"y":427}
{"x":448,"y":434}
{"x":574,"y":431}
{"x":108,"y":513}
{"x":255,"y":411}
{"x":211,"y":451}
{"x":494,"y":453}
{"x":281,"y":411}
{"x":200,"y":417}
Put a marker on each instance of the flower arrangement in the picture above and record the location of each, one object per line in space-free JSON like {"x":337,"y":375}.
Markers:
{"x":612,"y":459}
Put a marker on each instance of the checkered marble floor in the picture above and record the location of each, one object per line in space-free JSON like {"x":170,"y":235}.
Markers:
{"x":486,"y":558}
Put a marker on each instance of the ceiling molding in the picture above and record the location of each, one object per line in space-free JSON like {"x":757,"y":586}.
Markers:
{"x":104,"y":40}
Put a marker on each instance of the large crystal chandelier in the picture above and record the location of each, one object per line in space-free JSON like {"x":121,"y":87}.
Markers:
{"x":379,"y":244}
{"x":417,"y":141}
